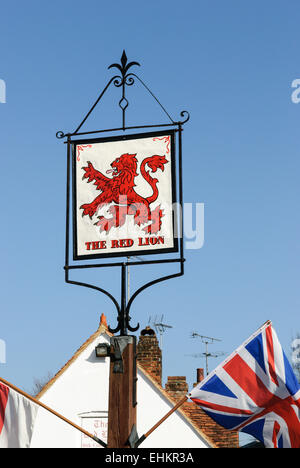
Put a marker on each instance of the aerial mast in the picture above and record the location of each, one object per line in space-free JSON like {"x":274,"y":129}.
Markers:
{"x":207,"y":340}
{"x":160,"y":328}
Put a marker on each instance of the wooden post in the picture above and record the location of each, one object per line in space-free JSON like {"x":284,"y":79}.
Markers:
{"x":122,"y":391}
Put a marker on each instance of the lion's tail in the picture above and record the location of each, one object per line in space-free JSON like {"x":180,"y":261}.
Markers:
{"x":154,"y":162}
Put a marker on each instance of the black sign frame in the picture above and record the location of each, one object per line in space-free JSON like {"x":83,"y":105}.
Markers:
{"x":132,"y":252}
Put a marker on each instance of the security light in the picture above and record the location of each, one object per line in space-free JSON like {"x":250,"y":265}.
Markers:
{"x":102,"y":350}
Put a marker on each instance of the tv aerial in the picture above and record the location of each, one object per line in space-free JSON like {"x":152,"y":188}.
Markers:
{"x":160,"y":328}
{"x":207,"y":340}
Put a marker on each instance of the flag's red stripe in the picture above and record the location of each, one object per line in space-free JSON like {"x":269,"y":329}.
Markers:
{"x":276,"y":430}
{"x":4,"y":391}
{"x":284,"y":410}
{"x":247,"y":379}
{"x":270,"y":349}
{"x":225,"y":409}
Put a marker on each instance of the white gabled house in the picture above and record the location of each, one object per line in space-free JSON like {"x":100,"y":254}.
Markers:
{"x":79,"y":391}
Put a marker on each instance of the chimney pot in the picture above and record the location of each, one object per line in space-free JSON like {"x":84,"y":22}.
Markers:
{"x":200,"y":375}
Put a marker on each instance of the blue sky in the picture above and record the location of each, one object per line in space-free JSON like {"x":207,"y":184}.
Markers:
{"x":231,"y":65}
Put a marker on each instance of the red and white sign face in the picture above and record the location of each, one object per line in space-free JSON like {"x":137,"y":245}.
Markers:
{"x":124,"y":195}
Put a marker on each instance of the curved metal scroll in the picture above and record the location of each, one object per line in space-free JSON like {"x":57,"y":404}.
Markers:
{"x":126,"y":79}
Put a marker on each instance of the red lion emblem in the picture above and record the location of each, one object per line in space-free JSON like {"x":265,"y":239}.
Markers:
{"x":120,"y":190}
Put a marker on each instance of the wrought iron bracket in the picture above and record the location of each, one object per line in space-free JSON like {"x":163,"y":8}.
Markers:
{"x":133,"y":438}
{"x":119,"y":344}
{"x":122,"y":81}
{"x":125,"y":79}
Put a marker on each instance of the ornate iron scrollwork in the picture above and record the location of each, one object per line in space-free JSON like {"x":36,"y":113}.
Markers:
{"x":122,"y":80}
{"x":126,"y":79}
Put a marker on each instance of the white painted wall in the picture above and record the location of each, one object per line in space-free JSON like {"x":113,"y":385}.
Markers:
{"x":176,"y":431}
{"x":81,"y":395}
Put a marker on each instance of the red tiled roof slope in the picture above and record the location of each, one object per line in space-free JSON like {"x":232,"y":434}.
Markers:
{"x":221,"y":437}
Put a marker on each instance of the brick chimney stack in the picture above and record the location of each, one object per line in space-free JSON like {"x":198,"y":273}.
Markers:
{"x":177,"y":387}
{"x":149,"y":354}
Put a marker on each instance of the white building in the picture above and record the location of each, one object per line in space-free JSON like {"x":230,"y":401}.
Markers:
{"x":79,"y":391}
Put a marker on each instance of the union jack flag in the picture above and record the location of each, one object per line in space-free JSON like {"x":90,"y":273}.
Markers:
{"x":255,"y":391}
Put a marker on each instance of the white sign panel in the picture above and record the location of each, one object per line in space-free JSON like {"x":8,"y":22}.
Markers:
{"x":95,"y":425}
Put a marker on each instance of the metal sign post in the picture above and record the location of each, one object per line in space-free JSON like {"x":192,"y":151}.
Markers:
{"x":123,"y":191}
